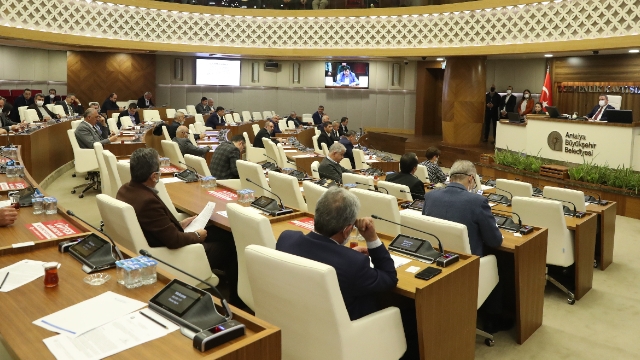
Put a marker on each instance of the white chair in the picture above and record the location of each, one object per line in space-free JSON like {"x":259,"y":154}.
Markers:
{"x":59,"y":110}
{"x":615,"y":101}
{"x":126,"y":123}
{"x":267,"y":114}
{"x":172,"y":151}
{"x":516,"y":188}
{"x":249,"y":227}
{"x":192,"y":129}
{"x":283,"y":157}
{"x":360,"y":160}
{"x":383,"y":205}
{"x":50,"y":107}
{"x":228,"y":118}
{"x":198,"y":163}
{"x":422,"y":173}
{"x":85,"y":161}
{"x":317,"y":131}
{"x":123,"y":103}
{"x":314,"y":170}
{"x":113,"y":125}
{"x":110,"y":162}
{"x":567,"y":196}
{"x":248,"y":170}
{"x":21,"y":110}
{"x":184,"y":111}
{"x":312,"y":193}
{"x":124,"y":171}
{"x":166,"y":199}
{"x":307,"y":118}
{"x":316,"y":149}
{"x":31,"y":116}
{"x":115,"y":115}
{"x":75,"y":123}
{"x":236,"y":118}
{"x":171,"y":113}
{"x":165,"y":132}
{"x":105,"y":177}
{"x":256,"y":129}
{"x":479,"y":183}
{"x":302,"y":297}
{"x":346,"y":163}
{"x":254,"y":154}
{"x":151,"y":115}
{"x":246,"y":116}
{"x":287,"y":187}
{"x":191,"y":110}
{"x":192,"y":138}
{"x":200,"y":128}
{"x":198,"y":118}
{"x":349,"y":178}
{"x":272,"y":152}
{"x":284,"y":125}
{"x":257,"y":116}
{"x":121,"y":224}
{"x":325,"y":150}
{"x":400,"y":191}
{"x":560,"y":241}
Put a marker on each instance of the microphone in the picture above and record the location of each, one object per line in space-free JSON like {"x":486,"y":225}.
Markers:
{"x":298,"y":167}
{"x":69,"y":212}
{"x":282,"y":210}
{"x":497,"y":188}
{"x":380,"y":187}
{"x":229,"y":316}
{"x":274,"y":160}
{"x":412,"y":193}
{"x":522,"y":229}
{"x":439,"y":261}
{"x":363,"y":184}
{"x":500,"y":198}
{"x":190,"y":168}
{"x":588,"y":198}
{"x":576,"y":214}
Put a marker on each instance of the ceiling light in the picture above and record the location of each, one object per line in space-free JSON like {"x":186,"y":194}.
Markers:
{"x":439,"y":59}
{"x":634,"y":51}
{"x":548,"y":55}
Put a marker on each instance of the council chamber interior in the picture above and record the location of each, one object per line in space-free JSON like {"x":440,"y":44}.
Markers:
{"x":409,"y":77}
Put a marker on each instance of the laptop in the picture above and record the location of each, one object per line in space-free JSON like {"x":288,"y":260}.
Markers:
{"x":620,"y":116}
{"x":514,"y":117}
{"x":553,"y":113}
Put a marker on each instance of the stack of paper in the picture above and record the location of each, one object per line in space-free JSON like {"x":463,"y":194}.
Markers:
{"x":20,"y":273}
{"x":200,"y":222}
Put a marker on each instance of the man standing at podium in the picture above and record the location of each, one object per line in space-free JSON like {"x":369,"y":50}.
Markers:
{"x":599,"y":112}
{"x":492,"y":105}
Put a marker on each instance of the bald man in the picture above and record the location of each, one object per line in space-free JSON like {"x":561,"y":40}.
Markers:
{"x":186,"y":147}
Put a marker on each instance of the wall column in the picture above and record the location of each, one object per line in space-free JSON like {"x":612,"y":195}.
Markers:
{"x":463,"y":96}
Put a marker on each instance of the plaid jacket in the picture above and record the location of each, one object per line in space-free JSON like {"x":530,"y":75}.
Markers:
{"x":223,"y":161}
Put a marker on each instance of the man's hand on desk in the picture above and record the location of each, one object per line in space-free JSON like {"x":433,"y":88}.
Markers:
{"x":362,"y":250}
{"x":8,"y":215}
{"x":367,"y":229}
{"x":113,"y":138}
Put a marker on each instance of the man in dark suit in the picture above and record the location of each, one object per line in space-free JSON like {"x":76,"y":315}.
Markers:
{"x":185,"y":145}
{"x":6,"y":124}
{"x":216,"y":118}
{"x":348,"y":141}
{"x":68,"y":104}
{"x":330,"y":167}
{"x":508,"y":103}
{"x":203,"y":108}
{"x":172,"y":128}
{"x":317,"y":116}
{"x":265,"y":133}
{"x":43,"y":112}
{"x":223,"y":162}
{"x":23,"y":100}
{"x":162,"y":229}
{"x":52,"y":98}
{"x":294,"y":117}
{"x":334,"y":220}
{"x":325,"y":135}
{"x":132,"y":113}
{"x":408,"y":167}
{"x":599,"y":112}
{"x":335,"y":136}
{"x":492,"y":105}
{"x":88,"y":133}
{"x":110,"y":104}
{"x":144,"y":102}
{"x":342,"y":130}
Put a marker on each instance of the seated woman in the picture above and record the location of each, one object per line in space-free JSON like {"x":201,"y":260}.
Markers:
{"x":526,"y":104}
{"x":435,"y":173}
{"x":537,"y":108}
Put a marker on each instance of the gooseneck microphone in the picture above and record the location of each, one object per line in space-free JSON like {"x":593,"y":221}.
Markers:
{"x":215,"y":289}
{"x":120,"y":257}
{"x":274,"y":160}
{"x":257,"y":203}
{"x":367,"y":185}
{"x":190,"y":168}
{"x":575,"y":212}
{"x":421,"y":196}
{"x":279,"y":199}
{"x":497,"y":188}
{"x":509,"y":212}
{"x":380,"y":187}
{"x":589,"y":196}
{"x":414,"y":229}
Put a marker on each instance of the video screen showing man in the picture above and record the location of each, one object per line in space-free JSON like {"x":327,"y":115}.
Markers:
{"x":347,"y":74}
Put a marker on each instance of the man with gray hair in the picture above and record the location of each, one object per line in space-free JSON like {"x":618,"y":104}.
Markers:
{"x":599,"y":112}
{"x":144,"y":102}
{"x":69,"y":106}
{"x":185,"y":145}
{"x":330,"y":167}
{"x":335,"y":218}
{"x":88,"y":132}
{"x":178,"y":120}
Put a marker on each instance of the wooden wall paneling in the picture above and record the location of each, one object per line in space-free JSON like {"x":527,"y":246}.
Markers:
{"x":428,"y":113}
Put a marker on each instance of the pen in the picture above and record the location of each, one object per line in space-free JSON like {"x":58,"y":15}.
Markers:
{"x":152,"y":319}
{"x":5,"y":279}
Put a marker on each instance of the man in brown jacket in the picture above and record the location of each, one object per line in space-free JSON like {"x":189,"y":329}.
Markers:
{"x":161,"y":228}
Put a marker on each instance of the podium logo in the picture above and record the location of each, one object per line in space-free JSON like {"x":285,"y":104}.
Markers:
{"x":554,"y":140}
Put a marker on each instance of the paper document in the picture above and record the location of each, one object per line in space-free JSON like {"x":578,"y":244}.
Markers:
{"x":170,"y":180}
{"x":109,"y":339}
{"x":20,"y":273}
{"x":5,"y":203}
{"x":397,"y":261}
{"x":290,"y":150}
{"x":302,"y":156}
{"x":485,"y":187}
{"x":89,"y":314}
{"x":201,"y":220}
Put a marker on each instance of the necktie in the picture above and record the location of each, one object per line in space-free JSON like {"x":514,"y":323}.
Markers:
{"x":596,"y":116}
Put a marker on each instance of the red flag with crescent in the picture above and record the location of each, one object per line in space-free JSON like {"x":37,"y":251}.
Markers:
{"x":545,"y":96}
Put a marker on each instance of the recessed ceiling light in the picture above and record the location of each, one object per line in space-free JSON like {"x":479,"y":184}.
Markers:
{"x":548,"y":55}
{"x":439,"y":59}
{"x":634,"y":51}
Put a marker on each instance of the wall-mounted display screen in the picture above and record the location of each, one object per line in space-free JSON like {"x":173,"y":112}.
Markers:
{"x":346,"y":74}
{"x":217,"y":72}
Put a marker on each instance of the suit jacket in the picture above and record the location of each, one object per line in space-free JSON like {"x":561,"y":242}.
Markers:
{"x":528,"y":109}
{"x":415,"y":185}
{"x":509,"y":105}
{"x":335,"y":136}
{"x":109,"y":105}
{"x":87,"y":135}
{"x":214,"y":120}
{"x":203,"y":109}
{"x":40,"y":115}
{"x":171,"y":129}
{"x":276,"y":127}
{"x":77,"y":109}
{"x":317,"y":118}
{"x":159,"y":226}
{"x":342,"y":130}
{"x":603,"y":117}
{"x":349,"y":153}
{"x":20,"y":101}
{"x":496,"y":100}
{"x":126,"y":113}
{"x":223,"y":161}
{"x":5,"y":122}
{"x":142,"y":103}
{"x":324,"y":138}
{"x":186,"y":147}
{"x":296,"y":122}
{"x":330,"y":169}
{"x":47,"y":99}
{"x":359,"y":282}
{"x":455,"y":203}
{"x":263,"y":133}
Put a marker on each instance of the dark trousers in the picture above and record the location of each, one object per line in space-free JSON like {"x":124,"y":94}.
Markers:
{"x":221,"y":253}
{"x":490,"y":118}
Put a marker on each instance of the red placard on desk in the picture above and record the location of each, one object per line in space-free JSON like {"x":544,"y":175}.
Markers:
{"x":53,"y":229}
{"x":13,"y":185}
{"x":170,"y":169}
{"x":306,"y":223}
{"x":224,"y":195}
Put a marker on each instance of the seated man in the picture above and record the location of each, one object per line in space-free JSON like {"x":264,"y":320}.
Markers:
{"x":87,"y":133}
{"x":132,"y":113}
{"x":599,"y":112}
{"x":294,"y":117}
{"x":52,"y":98}
{"x":69,"y":106}
{"x":346,"y":77}
{"x":223,"y":161}
{"x":335,"y":218}
{"x":325,"y":135}
{"x":7,"y":124}
{"x":408,"y":167}
{"x":178,"y":120}
{"x":317,"y":116}
{"x":436,"y":176}
{"x":343,"y":126}
{"x":202,"y":108}
{"x":23,"y":100}
{"x":276,"y":124}
{"x":330,"y":167}
{"x":8,"y":215}
{"x":267,"y":133}
{"x":101,"y":124}
{"x":349,"y":140}
{"x":185,"y":145}
{"x":44,"y":114}
{"x":162,"y":229}
{"x":216,"y":119}
{"x":335,"y":135}
{"x":110,"y":104}
{"x":144,"y":102}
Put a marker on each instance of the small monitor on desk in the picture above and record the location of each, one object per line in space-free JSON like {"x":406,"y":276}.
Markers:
{"x":553,"y":113}
{"x":514,"y":117}
{"x":620,"y":116}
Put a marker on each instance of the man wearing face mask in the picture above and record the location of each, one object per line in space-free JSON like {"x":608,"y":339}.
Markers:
{"x":43,"y":112}
{"x":599,"y":112}
{"x":52,"y":98}
{"x":5,"y":123}
{"x":23,"y":100}
{"x":508,"y":103}
{"x":491,"y":113}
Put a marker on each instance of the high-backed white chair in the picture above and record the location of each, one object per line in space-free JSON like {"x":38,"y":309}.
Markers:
{"x":59,"y":110}
{"x":307,"y":118}
{"x":125,"y":122}
{"x":316,"y":149}
{"x":124,"y":171}
{"x":236,"y":117}
{"x":50,"y":107}
{"x":267,"y":114}
{"x":198,"y":163}
{"x":166,"y":199}
{"x":422,"y":173}
{"x":317,"y":131}
{"x":383,"y":205}
{"x":272,"y":152}
{"x":115,"y":115}
{"x":191,"y":110}
{"x":400,"y":191}
{"x":121,"y":224}
{"x":246,"y":116}
{"x":200,"y":128}
{"x":75,"y":123}
{"x":516,"y":188}
{"x":284,"y":125}
{"x":111,"y":162}
{"x":85,"y":161}
{"x":228,"y":118}
{"x":171,"y":113}
{"x":113,"y":125}
{"x":302,"y":297}
{"x":252,"y":171}
{"x":314,"y":170}
{"x":31,"y":116}
{"x":358,"y":156}
{"x":165,"y":132}
{"x":560,"y":241}
{"x":254,"y":154}
{"x":567,"y":196}
{"x":255,"y":128}
{"x":615,"y":101}
{"x":151,"y":115}
{"x":346,"y":163}
{"x":312,"y":193}
{"x":105,"y":177}
{"x":479,"y":183}
{"x":192,"y":139}
{"x":249,"y":227}
{"x":286,"y":186}
{"x":325,"y":150}
{"x":256,"y":115}
{"x":350,"y":178}
{"x":198,"y":118}
{"x":283,"y":157}
{"x":192,"y":129}
{"x":21,"y":113}
{"x":172,"y":151}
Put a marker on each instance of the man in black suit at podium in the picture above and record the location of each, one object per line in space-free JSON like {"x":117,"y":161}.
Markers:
{"x":508,"y":103}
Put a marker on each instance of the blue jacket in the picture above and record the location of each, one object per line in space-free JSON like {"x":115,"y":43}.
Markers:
{"x":359,"y":282}
{"x":213,"y":121}
{"x":455,"y":203}
{"x":349,"y":153}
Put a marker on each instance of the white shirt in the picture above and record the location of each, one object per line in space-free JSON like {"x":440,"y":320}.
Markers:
{"x":523,"y":106}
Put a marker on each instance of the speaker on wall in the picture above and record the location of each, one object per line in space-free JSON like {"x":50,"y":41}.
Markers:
{"x":296,"y":73}
{"x":177,"y":69}
{"x":255,"y":69}
{"x":395,"y":80}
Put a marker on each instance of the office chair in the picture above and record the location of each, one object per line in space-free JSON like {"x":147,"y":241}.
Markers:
{"x":287,"y":187}
{"x":85,"y":161}
{"x":394,"y":189}
{"x":383,"y":205}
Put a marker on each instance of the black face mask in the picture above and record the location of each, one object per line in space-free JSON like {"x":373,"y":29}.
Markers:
{"x":493,"y":89}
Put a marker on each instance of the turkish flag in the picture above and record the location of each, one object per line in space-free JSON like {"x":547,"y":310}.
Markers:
{"x":545,"y":96}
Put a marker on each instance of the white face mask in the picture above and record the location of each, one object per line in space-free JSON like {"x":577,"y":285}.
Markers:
{"x":52,"y":95}
{"x":39,"y":103}
{"x":526,"y":96}
{"x":508,"y":92}
{"x":601,"y":102}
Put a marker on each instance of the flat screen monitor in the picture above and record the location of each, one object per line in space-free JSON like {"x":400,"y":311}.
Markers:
{"x":620,"y":116}
{"x":346,"y":74}
{"x":217,"y":72}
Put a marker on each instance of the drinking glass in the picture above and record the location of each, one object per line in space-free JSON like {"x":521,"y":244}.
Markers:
{"x":51,"y":274}
{"x":50,"y":205}
{"x":38,"y":205}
